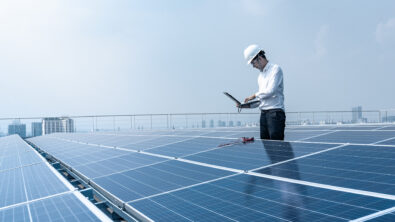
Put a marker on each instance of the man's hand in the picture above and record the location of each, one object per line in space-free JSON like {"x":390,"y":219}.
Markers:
{"x":249,"y":98}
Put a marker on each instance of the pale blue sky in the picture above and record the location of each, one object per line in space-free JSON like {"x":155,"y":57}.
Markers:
{"x":127,"y":57}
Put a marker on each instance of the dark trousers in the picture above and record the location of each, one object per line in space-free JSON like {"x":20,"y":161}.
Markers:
{"x":272,"y":124}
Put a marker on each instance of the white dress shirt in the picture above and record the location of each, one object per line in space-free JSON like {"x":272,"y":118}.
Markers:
{"x":271,"y":88}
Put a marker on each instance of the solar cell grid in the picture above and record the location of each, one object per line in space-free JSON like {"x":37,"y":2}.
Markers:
{"x":32,"y":183}
{"x":245,"y":197}
{"x":369,"y":168}
{"x":189,"y":146}
{"x":174,"y":190}
{"x":361,"y":137}
{"x":253,"y":155}
{"x":158,"y":178}
{"x":15,"y":214}
{"x":156,"y":142}
{"x":116,"y":164}
{"x":65,"y":207}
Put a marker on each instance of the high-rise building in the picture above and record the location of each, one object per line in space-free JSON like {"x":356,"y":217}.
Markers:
{"x":357,"y":114}
{"x":17,"y":128}
{"x":57,"y":125}
{"x":37,"y":129}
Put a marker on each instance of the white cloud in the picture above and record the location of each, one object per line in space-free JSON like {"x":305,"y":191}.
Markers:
{"x":320,"y":41}
{"x":385,"y":32}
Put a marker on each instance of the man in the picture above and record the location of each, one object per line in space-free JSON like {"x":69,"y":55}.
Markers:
{"x":270,"y":94}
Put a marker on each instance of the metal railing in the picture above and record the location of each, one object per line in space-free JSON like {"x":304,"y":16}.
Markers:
{"x":94,"y":123}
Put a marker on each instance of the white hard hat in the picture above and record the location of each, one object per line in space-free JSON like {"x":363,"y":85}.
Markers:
{"x":250,"y":52}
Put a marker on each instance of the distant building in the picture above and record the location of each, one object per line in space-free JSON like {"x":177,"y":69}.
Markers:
{"x":238,"y":123}
{"x":17,"y":128}
{"x":37,"y":129}
{"x":203,"y":123}
{"x":211,"y":123}
{"x":57,"y":125}
{"x":388,"y":119}
{"x":357,"y":114}
{"x":230,"y":124}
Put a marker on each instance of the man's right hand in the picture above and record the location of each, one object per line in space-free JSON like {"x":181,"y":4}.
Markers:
{"x":249,"y":98}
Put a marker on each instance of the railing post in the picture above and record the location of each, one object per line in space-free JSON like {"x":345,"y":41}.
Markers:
{"x":379,"y":116}
{"x":113,"y":123}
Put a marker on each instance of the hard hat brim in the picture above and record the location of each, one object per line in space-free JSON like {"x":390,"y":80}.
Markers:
{"x":252,"y":58}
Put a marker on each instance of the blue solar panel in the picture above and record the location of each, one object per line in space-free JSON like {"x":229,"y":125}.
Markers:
{"x":392,"y":127}
{"x":297,"y":128}
{"x":9,"y":162}
{"x":156,"y":179}
{"x":385,"y":218}
{"x":66,"y":207}
{"x":41,"y":182}
{"x":156,"y":142}
{"x":31,"y":187}
{"x":11,"y":187}
{"x":356,"y":127}
{"x":228,"y":134}
{"x":117,"y":164}
{"x":361,"y":137}
{"x":369,"y":168}
{"x":189,"y":147}
{"x":388,"y":142}
{"x":175,"y":190}
{"x":27,"y":158}
{"x":15,"y":214}
{"x":302,"y":135}
{"x":250,"y":198}
{"x":253,"y":155}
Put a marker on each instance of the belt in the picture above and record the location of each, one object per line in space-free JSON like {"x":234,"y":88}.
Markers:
{"x":271,"y":110}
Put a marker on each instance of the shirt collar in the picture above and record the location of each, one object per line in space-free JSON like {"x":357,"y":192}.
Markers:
{"x":267,"y":66}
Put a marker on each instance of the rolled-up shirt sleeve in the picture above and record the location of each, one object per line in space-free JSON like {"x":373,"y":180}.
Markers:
{"x":275,"y":80}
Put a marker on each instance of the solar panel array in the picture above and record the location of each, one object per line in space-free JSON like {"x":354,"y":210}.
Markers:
{"x":328,"y":173}
{"x":31,"y":190}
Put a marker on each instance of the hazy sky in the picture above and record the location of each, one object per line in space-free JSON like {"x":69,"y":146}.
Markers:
{"x":126,"y":57}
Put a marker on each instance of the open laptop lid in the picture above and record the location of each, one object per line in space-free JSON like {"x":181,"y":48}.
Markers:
{"x":232,"y":98}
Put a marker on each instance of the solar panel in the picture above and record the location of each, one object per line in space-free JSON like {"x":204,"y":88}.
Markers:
{"x":392,"y":127}
{"x":16,"y":214}
{"x":369,"y":168}
{"x":388,"y":142}
{"x":326,"y":179}
{"x":11,"y":187}
{"x":30,"y":189}
{"x":65,"y":207}
{"x":156,"y":142}
{"x":361,"y":137}
{"x":190,"y":146}
{"x":157,"y":178}
{"x":116,"y":164}
{"x":254,"y":155}
{"x":248,"y":198}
